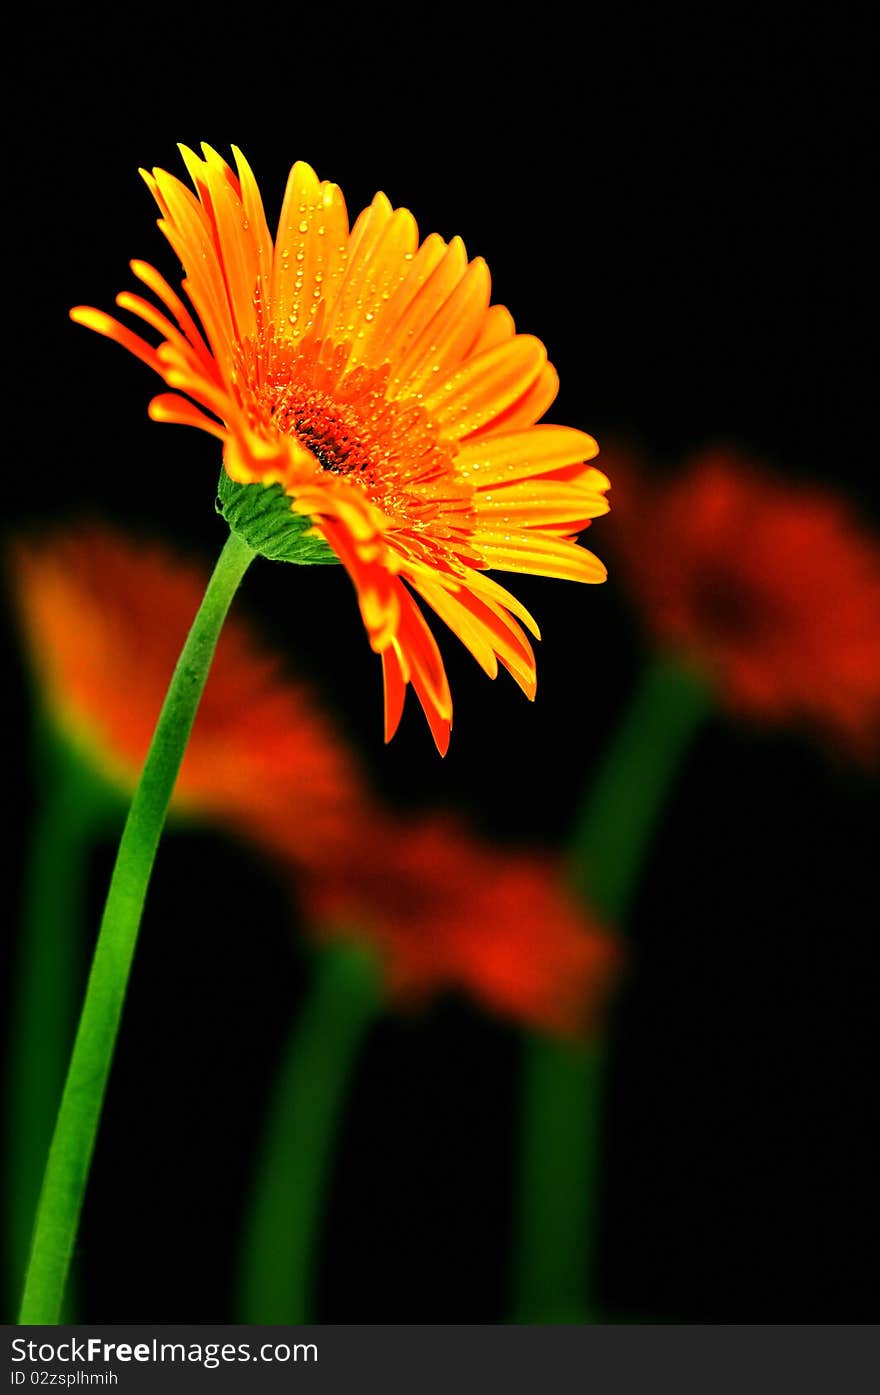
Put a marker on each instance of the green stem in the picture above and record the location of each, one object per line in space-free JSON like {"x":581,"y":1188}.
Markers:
{"x":618,"y":817}
{"x":276,"y":1275}
{"x":563,"y":1084}
{"x":73,"y":1142}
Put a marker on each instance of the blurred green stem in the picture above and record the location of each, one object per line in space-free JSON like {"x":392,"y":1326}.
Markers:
{"x":47,"y":981}
{"x":282,"y":1222}
{"x":73,"y":1142}
{"x":563,"y":1084}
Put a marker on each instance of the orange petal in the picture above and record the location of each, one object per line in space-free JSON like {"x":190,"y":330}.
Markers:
{"x":427,"y":674}
{"x":238,"y":252}
{"x":420,"y":267}
{"x":258,"y":229}
{"x":528,"y":408}
{"x":486,"y":385}
{"x":485,"y":630}
{"x":311,"y":249}
{"x":447,"y":337}
{"x":434,"y":291}
{"x":160,"y":287}
{"x":365,"y":236}
{"x":187,"y":229}
{"x":507,"y":456}
{"x":111,"y":329}
{"x":540,"y":556}
{"x":498,"y":326}
{"x":539,"y":504}
{"x":169,"y":407}
{"x":363,"y":305}
{"x":395,"y":690}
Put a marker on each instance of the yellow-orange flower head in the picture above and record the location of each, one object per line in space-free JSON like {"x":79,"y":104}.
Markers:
{"x":367,"y":374}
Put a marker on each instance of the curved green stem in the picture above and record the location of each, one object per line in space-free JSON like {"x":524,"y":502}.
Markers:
{"x":283,"y":1219}
{"x":563,"y":1083}
{"x":73,"y":1142}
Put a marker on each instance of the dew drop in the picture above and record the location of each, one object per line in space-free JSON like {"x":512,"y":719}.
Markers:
{"x":303,"y":227}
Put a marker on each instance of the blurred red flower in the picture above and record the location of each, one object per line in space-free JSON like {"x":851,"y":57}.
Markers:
{"x":445,"y":910}
{"x":104,"y":620}
{"x":771,"y":587}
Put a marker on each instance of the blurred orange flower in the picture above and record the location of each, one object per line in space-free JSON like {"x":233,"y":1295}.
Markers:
{"x":104,"y":620}
{"x":447,"y":911}
{"x":771,"y":587}
{"x":368,"y":375}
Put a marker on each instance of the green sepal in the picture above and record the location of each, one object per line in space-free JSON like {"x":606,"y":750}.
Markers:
{"x":261,"y":515}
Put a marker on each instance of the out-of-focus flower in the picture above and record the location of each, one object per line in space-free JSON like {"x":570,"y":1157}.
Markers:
{"x":104,"y":621}
{"x":446,"y":911}
{"x":367,"y":375}
{"x":770,"y":587}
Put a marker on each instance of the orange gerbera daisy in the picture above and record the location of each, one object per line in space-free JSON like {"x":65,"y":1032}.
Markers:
{"x":367,"y":375}
{"x":772,"y":588}
{"x":447,"y":911}
{"x":104,"y":621}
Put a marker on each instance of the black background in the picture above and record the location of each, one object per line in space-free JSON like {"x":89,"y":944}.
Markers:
{"x":675,"y":200}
